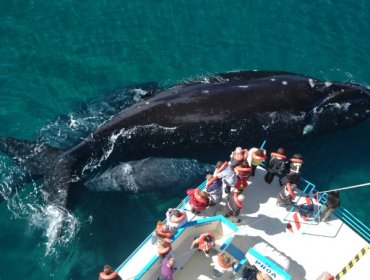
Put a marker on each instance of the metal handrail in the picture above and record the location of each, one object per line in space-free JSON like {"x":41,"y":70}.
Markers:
{"x":342,"y":213}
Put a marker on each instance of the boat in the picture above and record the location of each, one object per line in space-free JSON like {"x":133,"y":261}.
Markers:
{"x":281,"y":242}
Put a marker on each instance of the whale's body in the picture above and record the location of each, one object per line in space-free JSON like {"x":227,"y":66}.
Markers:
{"x":168,"y":175}
{"x":237,"y":108}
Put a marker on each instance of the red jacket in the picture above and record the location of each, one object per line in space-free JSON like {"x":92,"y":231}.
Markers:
{"x":196,"y":201}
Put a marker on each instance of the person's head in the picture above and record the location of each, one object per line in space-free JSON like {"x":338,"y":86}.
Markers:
{"x":176,"y":213}
{"x":165,"y":228}
{"x":226,"y":261}
{"x":245,"y":164}
{"x":297,"y":156}
{"x":263,"y":276}
{"x":259,"y":153}
{"x":238,"y":150}
{"x":208,"y":239}
{"x":171,"y":262}
{"x":280,"y":151}
{"x":107,"y":269}
{"x":241,"y":197}
{"x":334,"y":193}
{"x":203,"y":194}
{"x":219,"y":164}
{"x":209,"y":177}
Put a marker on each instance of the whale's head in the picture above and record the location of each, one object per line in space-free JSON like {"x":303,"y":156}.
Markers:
{"x":342,"y":105}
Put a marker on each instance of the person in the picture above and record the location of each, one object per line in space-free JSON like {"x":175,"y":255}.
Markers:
{"x":256,"y":157}
{"x":162,"y":230}
{"x":176,"y":218}
{"x":164,"y":247}
{"x":332,"y":202}
{"x":296,"y":163}
{"x":242,"y":172}
{"x":263,"y":276}
{"x":204,"y":242}
{"x":286,"y":196}
{"x":325,"y":276}
{"x":167,"y":268}
{"x":221,"y":263}
{"x":294,"y":174}
{"x":276,"y":166}
{"x":233,"y":206}
{"x":108,"y":274}
{"x":220,"y":166}
{"x":214,"y":189}
{"x":199,"y":200}
{"x":238,"y":156}
{"x":227,"y":173}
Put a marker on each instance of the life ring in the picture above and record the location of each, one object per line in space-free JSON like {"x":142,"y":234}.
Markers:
{"x":108,"y":277}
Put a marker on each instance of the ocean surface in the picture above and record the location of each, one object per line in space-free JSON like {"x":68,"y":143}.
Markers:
{"x":66,"y":66}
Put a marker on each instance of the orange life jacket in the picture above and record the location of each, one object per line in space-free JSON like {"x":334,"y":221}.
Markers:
{"x":162,"y":234}
{"x":108,"y":277}
{"x":276,"y":155}
{"x":164,"y":250}
{"x":176,"y":220}
{"x":202,"y":244}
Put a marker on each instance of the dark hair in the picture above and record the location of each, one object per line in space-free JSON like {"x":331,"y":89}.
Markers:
{"x":280,"y":151}
{"x":219,"y":164}
{"x":297,"y":156}
{"x":176,"y":213}
{"x":207,"y":238}
{"x":259,"y":153}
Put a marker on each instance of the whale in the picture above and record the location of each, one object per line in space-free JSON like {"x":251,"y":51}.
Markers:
{"x":198,"y":118}
{"x":168,"y":176}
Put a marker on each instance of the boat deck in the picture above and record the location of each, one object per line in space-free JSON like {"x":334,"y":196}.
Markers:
{"x":312,"y":247}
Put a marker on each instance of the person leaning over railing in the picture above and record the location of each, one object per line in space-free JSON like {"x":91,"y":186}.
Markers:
{"x":198,"y":200}
{"x":214,"y":189}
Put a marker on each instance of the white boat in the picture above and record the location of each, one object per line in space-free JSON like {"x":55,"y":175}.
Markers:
{"x":279,"y":241}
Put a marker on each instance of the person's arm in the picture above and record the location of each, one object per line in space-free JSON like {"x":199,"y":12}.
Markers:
{"x":290,"y":190}
{"x":194,"y":243}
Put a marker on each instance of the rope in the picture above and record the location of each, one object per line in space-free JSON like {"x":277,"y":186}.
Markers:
{"x":347,"y":188}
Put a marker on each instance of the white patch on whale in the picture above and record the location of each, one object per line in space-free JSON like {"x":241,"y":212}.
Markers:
{"x":307,"y":129}
{"x":139,"y":93}
{"x":328,"y":84}
{"x":125,"y":134}
{"x":284,"y":83}
{"x":246,"y":86}
{"x":311,"y":82}
{"x":272,"y":79}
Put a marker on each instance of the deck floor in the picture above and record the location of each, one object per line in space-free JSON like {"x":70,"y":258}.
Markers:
{"x":313,"y":249}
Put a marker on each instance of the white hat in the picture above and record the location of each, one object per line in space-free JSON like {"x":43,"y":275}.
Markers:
{"x":239,"y":150}
{"x":241,"y":197}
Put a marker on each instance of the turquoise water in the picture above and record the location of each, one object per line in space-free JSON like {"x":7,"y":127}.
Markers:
{"x":55,"y":56}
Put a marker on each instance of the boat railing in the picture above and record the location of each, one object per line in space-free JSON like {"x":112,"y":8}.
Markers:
{"x":346,"y":216}
{"x":342,"y":213}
